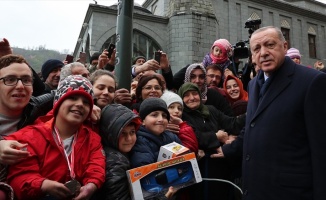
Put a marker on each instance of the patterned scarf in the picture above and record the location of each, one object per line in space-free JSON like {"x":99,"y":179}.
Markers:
{"x":187,"y":78}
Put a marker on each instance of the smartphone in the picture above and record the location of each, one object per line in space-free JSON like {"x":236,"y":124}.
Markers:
{"x":82,"y":57}
{"x":157,"y":56}
{"x":69,"y":58}
{"x":110,"y":49}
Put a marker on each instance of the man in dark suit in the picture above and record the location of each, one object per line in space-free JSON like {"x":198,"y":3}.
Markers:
{"x":284,"y":145}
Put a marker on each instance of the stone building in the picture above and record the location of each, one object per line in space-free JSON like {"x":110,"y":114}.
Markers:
{"x":186,"y":29}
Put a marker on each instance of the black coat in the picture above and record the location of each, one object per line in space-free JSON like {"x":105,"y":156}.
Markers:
{"x":285,"y":138}
{"x":114,"y":117}
{"x":214,"y":168}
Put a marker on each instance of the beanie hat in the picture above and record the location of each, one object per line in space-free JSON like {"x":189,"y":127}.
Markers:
{"x":224,"y":45}
{"x":136,"y":58}
{"x":73,"y":85}
{"x":49,"y":66}
{"x":152,"y":104}
{"x":95,"y":56}
{"x":171,"y":97}
{"x":293,"y":53}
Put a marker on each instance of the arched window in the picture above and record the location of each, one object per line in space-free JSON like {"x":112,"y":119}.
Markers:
{"x":143,"y":45}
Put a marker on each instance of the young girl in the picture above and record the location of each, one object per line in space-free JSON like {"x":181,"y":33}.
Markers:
{"x":66,"y":158}
{"x":176,"y":124}
{"x":152,"y":133}
{"x":104,"y":86}
{"x":220,"y":53}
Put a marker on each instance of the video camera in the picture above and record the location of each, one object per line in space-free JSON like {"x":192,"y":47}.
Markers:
{"x":240,"y":48}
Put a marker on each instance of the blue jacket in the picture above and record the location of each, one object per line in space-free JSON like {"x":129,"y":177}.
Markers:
{"x":148,"y":146}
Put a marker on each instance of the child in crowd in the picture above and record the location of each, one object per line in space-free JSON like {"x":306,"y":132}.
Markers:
{"x":118,"y":127}
{"x":152,"y":133}
{"x":185,"y":132}
{"x":220,"y":53}
{"x":66,"y":158}
{"x":294,"y":54}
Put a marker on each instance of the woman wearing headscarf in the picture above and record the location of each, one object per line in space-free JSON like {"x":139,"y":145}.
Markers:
{"x":196,"y":73}
{"x":235,"y":94}
{"x":211,"y":127}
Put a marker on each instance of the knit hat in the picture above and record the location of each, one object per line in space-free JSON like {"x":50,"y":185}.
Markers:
{"x":73,"y":85}
{"x":293,"y":53}
{"x":152,"y":104}
{"x":136,"y":58}
{"x":171,"y":97}
{"x":225,"y":45}
{"x":49,"y":66}
{"x":95,"y":56}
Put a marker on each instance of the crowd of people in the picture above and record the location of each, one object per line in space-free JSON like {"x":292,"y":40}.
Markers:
{"x":70,"y":133}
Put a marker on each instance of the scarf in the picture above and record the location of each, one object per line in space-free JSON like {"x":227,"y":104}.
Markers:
{"x":187,"y":78}
{"x":202,"y":109}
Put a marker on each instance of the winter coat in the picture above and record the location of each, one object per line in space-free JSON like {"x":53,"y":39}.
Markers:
{"x":148,"y":145}
{"x":187,"y":136}
{"x":114,"y":117}
{"x":215,"y":168}
{"x":206,"y":128}
{"x":284,"y":141}
{"x":47,"y":160}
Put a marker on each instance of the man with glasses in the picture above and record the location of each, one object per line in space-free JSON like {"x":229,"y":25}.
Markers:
{"x":17,"y":106}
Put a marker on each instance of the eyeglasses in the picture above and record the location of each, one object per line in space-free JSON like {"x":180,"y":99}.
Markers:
{"x":149,"y":87}
{"x":13,"y":80}
{"x":213,"y":76}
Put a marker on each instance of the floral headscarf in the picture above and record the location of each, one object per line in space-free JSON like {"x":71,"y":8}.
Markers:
{"x":187,"y":78}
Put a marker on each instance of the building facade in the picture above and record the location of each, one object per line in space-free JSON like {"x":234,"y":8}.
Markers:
{"x":186,"y":29}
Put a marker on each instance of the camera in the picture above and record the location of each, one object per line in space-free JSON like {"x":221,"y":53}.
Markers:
{"x":252,"y":23}
{"x":241,"y":50}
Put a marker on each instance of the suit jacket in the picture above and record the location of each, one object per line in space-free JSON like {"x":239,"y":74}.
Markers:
{"x":284,"y":145}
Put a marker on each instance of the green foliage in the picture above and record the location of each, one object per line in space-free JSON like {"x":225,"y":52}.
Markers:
{"x":36,"y":57}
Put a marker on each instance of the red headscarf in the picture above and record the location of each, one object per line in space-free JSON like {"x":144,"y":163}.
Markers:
{"x":243,"y":94}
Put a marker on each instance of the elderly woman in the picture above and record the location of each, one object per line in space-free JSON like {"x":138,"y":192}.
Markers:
{"x":196,"y":73}
{"x":209,"y":125}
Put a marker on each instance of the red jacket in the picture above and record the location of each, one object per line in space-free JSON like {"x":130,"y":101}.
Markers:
{"x":47,"y":160}
{"x":188,"y":137}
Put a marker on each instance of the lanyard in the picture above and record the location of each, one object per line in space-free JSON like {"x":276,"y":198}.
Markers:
{"x":70,"y":162}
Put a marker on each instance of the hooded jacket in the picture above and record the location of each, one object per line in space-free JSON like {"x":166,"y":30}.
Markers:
{"x":113,"y":118}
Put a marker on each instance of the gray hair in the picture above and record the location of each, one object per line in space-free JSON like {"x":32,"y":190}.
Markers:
{"x":67,"y":69}
{"x":278,"y":31}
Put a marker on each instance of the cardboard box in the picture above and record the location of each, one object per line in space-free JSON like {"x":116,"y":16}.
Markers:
{"x":154,"y":180}
{"x":171,"y":150}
